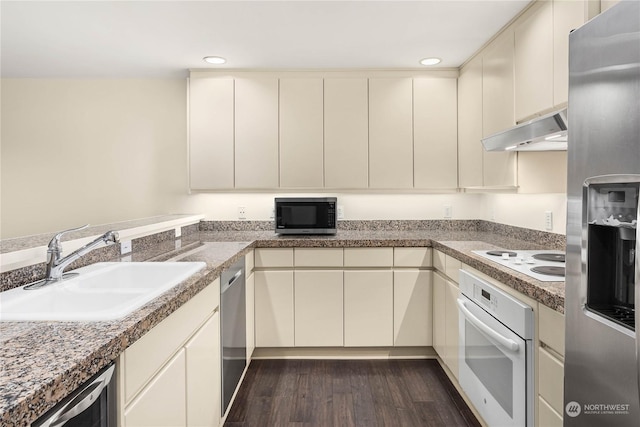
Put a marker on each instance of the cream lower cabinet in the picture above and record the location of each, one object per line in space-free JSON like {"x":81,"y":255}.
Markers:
{"x":368,"y":308}
{"x":550,"y":370}
{"x":171,"y":376}
{"x":274,"y":308}
{"x":318,"y":308}
{"x":412,"y":302}
{"x":445,"y":321}
{"x":250,"y":292}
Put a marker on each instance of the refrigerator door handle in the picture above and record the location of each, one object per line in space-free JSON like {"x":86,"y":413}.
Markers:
{"x":637,"y":296}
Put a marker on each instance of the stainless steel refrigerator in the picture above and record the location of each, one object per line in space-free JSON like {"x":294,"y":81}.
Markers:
{"x":603,"y":265}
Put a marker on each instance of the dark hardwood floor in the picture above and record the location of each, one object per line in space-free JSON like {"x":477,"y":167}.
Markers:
{"x":348,"y":393}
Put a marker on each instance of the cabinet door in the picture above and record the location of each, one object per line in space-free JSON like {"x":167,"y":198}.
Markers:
{"x":274,"y":308}
{"x":318,"y":308}
{"x":203,"y":375}
{"x":346,"y":138}
{"x":451,"y":327}
{"x":470,"y":150}
{"x":368,"y":308}
{"x":439,"y":316}
{"x":435,"y":133}
{"x":534,"y":61}
{"x":412,"y":308}
{"x":499,"y":168}
{"x":251,"y":329}
{"x":301,"y":138}
{"x":163,"y":401}
{"x":390,"y":133}
{"x":210,"y":133}
{"x":567,"y":16}
{"x":256,"y":133}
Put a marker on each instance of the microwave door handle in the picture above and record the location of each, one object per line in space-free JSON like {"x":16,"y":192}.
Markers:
{"x":505,"y":342}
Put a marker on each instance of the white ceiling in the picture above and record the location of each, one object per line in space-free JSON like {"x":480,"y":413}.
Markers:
{"x":113,"y":39}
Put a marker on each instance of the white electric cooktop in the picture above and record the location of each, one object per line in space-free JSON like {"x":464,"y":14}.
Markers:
{"x":546,"y":266}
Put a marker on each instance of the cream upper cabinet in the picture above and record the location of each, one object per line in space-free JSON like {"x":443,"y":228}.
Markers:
{"x":256,"y":133}
{"x":567,"y":16}
{"x":211,"y":133}
{"x":435,"y":133}
{"x":470,"y":149}
{"x":390,"y":133}
{"x":301,"y":133}
{"x":534,"y":55}
{"x":346,"y":137}
{"x":499,"y":168}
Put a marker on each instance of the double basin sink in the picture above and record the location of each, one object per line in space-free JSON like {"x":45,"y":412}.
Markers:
{"x":100,"y":292}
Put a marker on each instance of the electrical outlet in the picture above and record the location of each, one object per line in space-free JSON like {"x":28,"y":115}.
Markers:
{"x":125,"y":247}
{"x":242,"y":212}
{"x":448,"y":211}
{"x":340,"y":212}
{"x":548,"y":220}
{"x":273,"y":213}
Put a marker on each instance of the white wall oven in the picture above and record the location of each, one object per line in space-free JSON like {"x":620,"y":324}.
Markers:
{"x":496,"y":352}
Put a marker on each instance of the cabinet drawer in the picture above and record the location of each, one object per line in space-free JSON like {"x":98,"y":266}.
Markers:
{"x":412,"y":257}
{"x":452,"y":268}
{"x":547,"y":417}
{"x":439,"y":260}
{"x":147,"y":355}
{"x":551,"y":380}
{"x":318,"y":257}
{"x":551,"y":327}
{"x":368,"y":257}
{"x":274,"y":257}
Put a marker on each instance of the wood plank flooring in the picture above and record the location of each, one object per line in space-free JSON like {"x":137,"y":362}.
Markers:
{"x":341,"y":393}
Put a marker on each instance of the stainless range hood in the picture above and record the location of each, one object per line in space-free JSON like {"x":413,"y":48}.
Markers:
{"x":544,"y":133}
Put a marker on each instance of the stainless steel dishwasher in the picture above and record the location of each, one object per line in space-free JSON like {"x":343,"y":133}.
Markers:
{"x":233,"y":325}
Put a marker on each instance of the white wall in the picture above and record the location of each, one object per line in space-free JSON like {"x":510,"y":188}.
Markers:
{"x":98,"y":151}
{"x":102,"y":151}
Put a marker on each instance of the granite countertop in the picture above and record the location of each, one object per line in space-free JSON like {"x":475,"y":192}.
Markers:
{"x":41,"y":362}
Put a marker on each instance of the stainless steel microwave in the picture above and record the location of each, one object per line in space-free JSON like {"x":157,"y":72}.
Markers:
{"x":305,"y":215}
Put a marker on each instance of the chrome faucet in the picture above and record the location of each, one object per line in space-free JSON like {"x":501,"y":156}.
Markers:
{"x":56,"y":264}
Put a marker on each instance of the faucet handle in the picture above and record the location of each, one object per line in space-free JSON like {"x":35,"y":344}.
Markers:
{"x":54,"y":244}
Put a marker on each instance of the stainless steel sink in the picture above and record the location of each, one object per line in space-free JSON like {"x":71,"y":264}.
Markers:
{"x":101,"y":291}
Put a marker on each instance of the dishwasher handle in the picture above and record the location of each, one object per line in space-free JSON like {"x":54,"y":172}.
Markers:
{"x":505,"y":342}
{"x":231,"y":281}
{"x":83,"y":400}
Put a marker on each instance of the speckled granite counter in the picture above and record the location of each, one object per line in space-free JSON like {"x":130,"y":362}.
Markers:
{"x":41,"y":362}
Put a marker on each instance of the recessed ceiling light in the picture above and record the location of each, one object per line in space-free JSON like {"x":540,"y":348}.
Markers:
{"x":430,"y":61}
{"x":214,"y":60}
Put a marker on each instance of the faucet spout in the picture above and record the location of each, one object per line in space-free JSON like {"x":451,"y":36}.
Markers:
{"x":56,"y":264}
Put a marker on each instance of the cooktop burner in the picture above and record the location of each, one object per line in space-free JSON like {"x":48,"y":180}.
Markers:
{"x":500,"y":253}
{"x":551,"y":270}
{"x":546,"y":266}
{"x":549,"y":257}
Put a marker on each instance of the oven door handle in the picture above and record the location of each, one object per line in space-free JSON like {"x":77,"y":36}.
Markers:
{"x":505,"y":342}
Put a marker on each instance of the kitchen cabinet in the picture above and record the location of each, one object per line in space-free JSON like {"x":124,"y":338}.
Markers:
{"x":346,"y":137}
{"x":318,"y":257}
{"x":368,"y":257}
{"x":256,"y":133}
{"x":250,"y":291}
{"x":318,"y":308}
{"x":534,"y":56}
{"x":447,"y":265}
{"x":301,"y":133}
{"x":470,"y":150}
{"x":412,"y":257}
{"x":435,"y":133}
{"x":274,"y":305}
{"x":412,"y":302}
{"x":499,"y":168}
{"x":211,"y":144}
{"x":273,"y":257}
{"x":445,"y":321}
{"x":167,"y":374}
{"x":163,"y":401}
{"x":390,"y":133}
{"x":550,"y":370}
{"x":368,"y":308}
